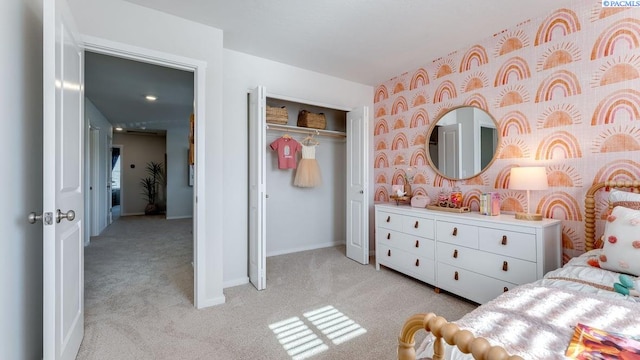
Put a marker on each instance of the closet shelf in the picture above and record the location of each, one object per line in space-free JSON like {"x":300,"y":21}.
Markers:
{"x":301,"y":130}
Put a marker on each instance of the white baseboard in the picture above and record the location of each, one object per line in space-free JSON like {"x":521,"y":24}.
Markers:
{"x":235,"y":282}
{"x":179,"y":217}
{"x":305,"y":248}
{"x":212,"y":302}
{"x":132,"y":214}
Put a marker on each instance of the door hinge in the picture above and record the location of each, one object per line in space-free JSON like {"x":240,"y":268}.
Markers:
{"x":48,"y":218}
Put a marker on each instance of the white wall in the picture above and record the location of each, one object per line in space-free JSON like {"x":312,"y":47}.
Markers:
{"x":21,"y":179}
{"x":179,"y":193}
{"x":126,"y":23}
{"x":98,"y":187}
{"x":241,"y":73}
{"x":136,"y":152}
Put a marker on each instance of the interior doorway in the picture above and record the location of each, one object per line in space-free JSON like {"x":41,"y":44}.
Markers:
{"x":116,"y":183}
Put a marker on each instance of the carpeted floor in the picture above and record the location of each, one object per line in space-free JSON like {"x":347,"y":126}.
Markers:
{"x":318,"y":304}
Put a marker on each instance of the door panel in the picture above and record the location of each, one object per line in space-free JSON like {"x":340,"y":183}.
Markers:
{"x":357,"y":189}
{"x":257,"y":186}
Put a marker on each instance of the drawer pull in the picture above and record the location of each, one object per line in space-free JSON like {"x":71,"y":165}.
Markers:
{"x":416,"y":224}
{"x":455,"y":254}
{"x":417,"y":243}
{"x":455,"y":276}
{"x":388,"y":236}
{"x":505,"y":266}
{"x":455,"y":231}
{"x":388,"y":218}
{"x":417,"y":262}
{"x":389,"y":252}
{"x":505,"y":289}
{"x":504,"y":240}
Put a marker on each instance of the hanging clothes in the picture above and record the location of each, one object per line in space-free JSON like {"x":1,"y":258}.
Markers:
{"x":308,"y":173}
{"x":287,"y":147}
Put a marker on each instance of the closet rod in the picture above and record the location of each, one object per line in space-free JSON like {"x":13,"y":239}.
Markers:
{"x":295,"y":129}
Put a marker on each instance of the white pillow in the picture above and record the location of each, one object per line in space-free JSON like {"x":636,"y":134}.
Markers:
{"x":621,"y":251}
{"x":624,"y":198}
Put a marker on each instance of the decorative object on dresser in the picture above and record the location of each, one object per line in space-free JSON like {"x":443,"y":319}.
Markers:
{"x":528,"y":178}
{"x":420,"y":201}
{"x":471,"y":255}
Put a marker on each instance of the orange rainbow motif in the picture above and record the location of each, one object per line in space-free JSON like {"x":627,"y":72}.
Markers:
{"x":419,"y":139}
{"x":419,"y":158}
{"x":559,"y":116}
{"x":442,"y":182}
{"x":621,"y":105}
{"x":561,"y":175}
{"x":514,"y":121}
{"x":399,"y":160}
{"x":382,"y":194}
{"x":559,"y":145}
{"x":598,"y":12}
{"x":570,"y":238}
{"x":477,"y":100}
{"x":514,"y":69}
{"x":513,"y":149}
{"x":420,"y":179}
{"x":419,"y":79}
{"x":381,"y":161}
{"x":381,"y":127}
{"x":398,"y":177}
{"x":479,"y":180}
{"x":382,"y":145}
{"x":623,"y":33}
{"x":380,"y":94}
{"x":445,"y":68}
{"x":475,"y":81}
{"x":512,"y":41}
{"x":513,"y":201}
{"x":419,"y":99}
{"x":399,"y":105}
{"x":617,"y":139}
{"x":400,"y":141}
{"x":564,"y":21}
{"x":399,"y":124}
{"x":559,"y":205}
{"x":442,"y":108}
{"x":503,"y":177}
{"x":559,"y":54}
{"x":419,"y":190}
{"x":471,"y":199}
{"x":619,"y":170}
{"x":381,"y":179}
{"x":419,"y":118}
{"x":446,"y":90}
{"x":398,"y":88}
{"x":512,"y":95}
{"x":474,"y":57}
{"x":381,"y":111}
{"x":617,"y":70}
{"x":560,"y":83}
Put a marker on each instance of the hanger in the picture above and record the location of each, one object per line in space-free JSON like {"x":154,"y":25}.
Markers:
{"x":310,"y":140}
{"x":286,"y":136}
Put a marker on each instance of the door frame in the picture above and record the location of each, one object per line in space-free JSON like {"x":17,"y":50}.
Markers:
{"x":110,"y":209}
{"x":198,"y":68}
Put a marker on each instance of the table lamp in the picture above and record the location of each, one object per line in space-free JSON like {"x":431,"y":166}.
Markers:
{"x":528,"y":178}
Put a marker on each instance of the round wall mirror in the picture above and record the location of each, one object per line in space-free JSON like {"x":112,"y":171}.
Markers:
{"x":462,"y":142}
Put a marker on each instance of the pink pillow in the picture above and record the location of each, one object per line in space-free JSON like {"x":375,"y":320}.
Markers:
{"x":621,"y":251}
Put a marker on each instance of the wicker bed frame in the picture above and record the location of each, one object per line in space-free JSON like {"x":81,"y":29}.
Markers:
{"x":464,"y":339}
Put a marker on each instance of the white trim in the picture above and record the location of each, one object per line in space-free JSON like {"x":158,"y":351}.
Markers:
{"x":308,"y":102}
{"x":236,"y":282}
{"x":198,"y":67}
{"x":305,"y":248}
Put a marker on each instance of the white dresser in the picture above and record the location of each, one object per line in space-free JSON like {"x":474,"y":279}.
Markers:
{"x":475,"y":256}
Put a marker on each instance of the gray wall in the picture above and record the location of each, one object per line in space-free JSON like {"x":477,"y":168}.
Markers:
{"x":179,"y":193}
{"x":21,"y":180}
{"x":137,"y":150}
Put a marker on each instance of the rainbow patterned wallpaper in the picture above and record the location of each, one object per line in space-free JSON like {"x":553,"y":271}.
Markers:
{"x":565,"y":92}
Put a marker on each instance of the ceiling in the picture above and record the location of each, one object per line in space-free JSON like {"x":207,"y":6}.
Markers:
{"x":366,"y":41}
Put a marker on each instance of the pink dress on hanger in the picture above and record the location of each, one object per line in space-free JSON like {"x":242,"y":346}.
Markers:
{"x":308,"y":173}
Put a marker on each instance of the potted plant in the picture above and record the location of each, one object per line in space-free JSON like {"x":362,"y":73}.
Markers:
{"x":151,"y":187}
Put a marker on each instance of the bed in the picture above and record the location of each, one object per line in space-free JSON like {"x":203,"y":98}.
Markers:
{"x":537,"y":320}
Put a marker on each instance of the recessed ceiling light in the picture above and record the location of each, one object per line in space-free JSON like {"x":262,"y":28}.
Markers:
{"x":118,"y":128}
{"x":151,"y":98}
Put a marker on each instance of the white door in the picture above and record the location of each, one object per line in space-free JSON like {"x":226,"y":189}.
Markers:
{"x":449,"y":151}
{"x":257,"y":187}
{"x":63,"y":252}
{"x":357,"y":189}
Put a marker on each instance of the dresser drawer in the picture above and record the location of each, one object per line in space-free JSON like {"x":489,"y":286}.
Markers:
{"x":510,"y":243}
{"x":409,"y":243}
{"x":456,"y":233}
{"x":389,"y":220}
{"x":418,"y":226}
{"x":516,"y":271}
{"x":416,"y":266}
{"x":469,"y":284}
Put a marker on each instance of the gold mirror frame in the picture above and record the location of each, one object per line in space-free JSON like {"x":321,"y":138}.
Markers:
{"x":432,"y":127}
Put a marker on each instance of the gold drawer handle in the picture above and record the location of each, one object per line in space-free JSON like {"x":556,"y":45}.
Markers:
{"x":416,"y":224}
{"x":417,"y":243}
{"x":389,"y":252}
{"x":505,"y":289}
{"x":504,"y":240}
{"x":455,"y":276}
{"x":455,"y":254}
{"x":455,"y":231}
{"x":417,"y":262}
{"x":389,"y":218}
{"x":505,"y":266}
{"x":388,"y":236}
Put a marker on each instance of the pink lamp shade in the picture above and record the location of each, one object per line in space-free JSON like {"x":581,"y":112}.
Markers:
{"x":528,"y":178}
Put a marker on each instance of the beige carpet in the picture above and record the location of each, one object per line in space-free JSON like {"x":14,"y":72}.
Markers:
{"x":318,"y":304}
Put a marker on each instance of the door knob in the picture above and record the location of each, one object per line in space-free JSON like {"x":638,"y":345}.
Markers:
{"x":33,"y":218}
{"x":361,"y":191}
{"x":69,"y":215}
{"x":47,"y":216}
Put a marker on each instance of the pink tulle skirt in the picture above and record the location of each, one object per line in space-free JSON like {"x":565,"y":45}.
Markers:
{"x":308,"y":174}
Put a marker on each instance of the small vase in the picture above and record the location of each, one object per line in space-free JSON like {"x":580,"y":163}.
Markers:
{"x":407,"y":189}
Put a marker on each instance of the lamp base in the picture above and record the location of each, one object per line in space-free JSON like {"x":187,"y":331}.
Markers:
{"x":527,"y":216}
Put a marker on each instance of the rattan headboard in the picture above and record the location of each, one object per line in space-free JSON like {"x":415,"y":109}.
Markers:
{"x":590,"y":205}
